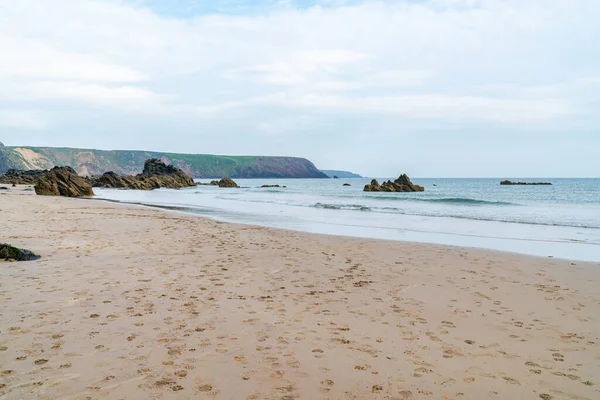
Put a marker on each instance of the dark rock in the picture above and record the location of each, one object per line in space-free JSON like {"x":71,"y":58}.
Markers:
{"x":272,"y":186}
{"x":228,"y":183}
{"x":402,"y":184}
{"x":3,"y":188}
{"x":156,"y":174}
{"x":8,"y":253}
{"x":211,"y":183}
{"x":336,"y":177}
{"x":524,"y":183}
{"x":63,"y":181}
{"x":346,"y":184}
{"x":21,"y":177}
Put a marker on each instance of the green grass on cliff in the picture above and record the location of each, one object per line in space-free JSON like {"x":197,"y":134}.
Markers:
{"x":131,"y":162}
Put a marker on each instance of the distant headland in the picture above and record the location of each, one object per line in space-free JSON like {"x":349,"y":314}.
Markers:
{"x":88,"y":162}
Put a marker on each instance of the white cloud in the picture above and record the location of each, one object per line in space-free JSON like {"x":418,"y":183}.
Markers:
{"x":36,"y":60}
{"x":21,"y":119}
{"x":487,"y":65}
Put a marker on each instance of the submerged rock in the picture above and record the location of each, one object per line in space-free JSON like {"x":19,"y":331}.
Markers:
{"x":402,"y":184}
{"x":272,"y":186}
{"x":346,"y":184}
{"x":227,"y":182}
{"x":524,"y":183}
{"x":8,"y":253}
{"x":63,"y":181}
{"x":23,"y":177}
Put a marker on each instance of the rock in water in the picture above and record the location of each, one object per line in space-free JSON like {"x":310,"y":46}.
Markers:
{"x":346,"y":184}
{"x":402,"y":184}
{"x":156,"y":174}
{"x":510,"y":183}
{"x":8,"y":253}
{"x":63,"y":181}
{"x":228,"y":182}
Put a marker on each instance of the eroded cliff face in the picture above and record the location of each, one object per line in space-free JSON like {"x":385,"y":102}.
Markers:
{"x":129,"y":162}
{"x":6,"y":159}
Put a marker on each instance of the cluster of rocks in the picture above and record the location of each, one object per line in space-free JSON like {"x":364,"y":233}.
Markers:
{"x":273,"y":186}
{"x":11,"y":253}
{"x":524,"y":183}
{"x":63,"y":181}
{"x":156,"y":174}
{"x":22,"y":177}
{"x":402,"y":184}
{"x":224,"y":182}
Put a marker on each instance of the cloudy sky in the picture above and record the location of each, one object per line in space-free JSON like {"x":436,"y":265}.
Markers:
{"x":501,"y":88}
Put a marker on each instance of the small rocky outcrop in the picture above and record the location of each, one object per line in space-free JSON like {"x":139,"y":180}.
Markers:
{"x":402,"y":184}
{"x":272,"y":186}
{"x":227,"y":183}
{"x":22,"y":177}
{"x":346,"y":184}
{"x":336,"y":177}
{"x":156,"y":174}
{"x":63,"y":181}
{"x":510,"y":183}
{"x":11,"y":253}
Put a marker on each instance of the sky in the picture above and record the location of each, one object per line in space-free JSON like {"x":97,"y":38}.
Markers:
{"x":432,"y":88}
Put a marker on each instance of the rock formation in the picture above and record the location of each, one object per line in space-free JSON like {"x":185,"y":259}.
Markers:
{"x":156,"y":174}
{"x":346,"y":184}
{"x":524,"y":183}
{"x":10,"y":253}
{"x":22,"y":177}
{"x":272,"y":186}
{"x":63,"y":181}
{"x":228,"y":183}
{"x":402,"y":184}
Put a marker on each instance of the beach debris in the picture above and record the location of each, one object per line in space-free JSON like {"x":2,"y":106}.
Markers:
{"x":63,"y":181}
{"x":507,"y":182}
{"x":11,"y":253}
{"x":156,"y":174}
{"x":402,"y":184}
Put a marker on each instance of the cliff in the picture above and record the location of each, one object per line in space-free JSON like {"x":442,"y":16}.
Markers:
{"x":88,"y":162}
{"x":340,"y":174}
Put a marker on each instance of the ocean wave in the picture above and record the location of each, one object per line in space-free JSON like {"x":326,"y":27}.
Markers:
{"x":357,"y":207}
{"x":447,"y":200}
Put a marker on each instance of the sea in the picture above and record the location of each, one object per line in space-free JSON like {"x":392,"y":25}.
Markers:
{"x":561,"y":220}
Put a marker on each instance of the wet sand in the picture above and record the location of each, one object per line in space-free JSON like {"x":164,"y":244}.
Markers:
{"x":137,"y":303}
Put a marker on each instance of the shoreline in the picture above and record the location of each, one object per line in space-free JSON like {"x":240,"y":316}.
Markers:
{"x":181,"y":209}
{"x":131,"y":302}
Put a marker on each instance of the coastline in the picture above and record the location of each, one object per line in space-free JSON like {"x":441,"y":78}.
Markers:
{"x":128,"y":299}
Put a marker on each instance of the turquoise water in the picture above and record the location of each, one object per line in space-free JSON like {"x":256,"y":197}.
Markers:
{"x":562,"y":220}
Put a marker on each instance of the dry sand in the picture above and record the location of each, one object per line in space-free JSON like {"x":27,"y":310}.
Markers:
{"x":137,"y":303}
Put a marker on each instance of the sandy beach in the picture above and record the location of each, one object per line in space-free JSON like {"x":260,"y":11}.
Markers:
{"x":138,"y":303}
